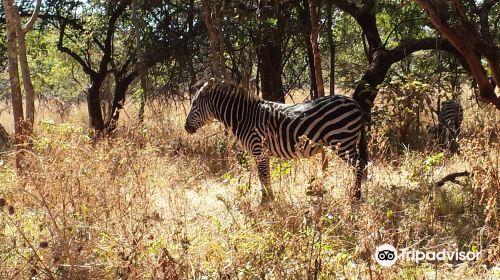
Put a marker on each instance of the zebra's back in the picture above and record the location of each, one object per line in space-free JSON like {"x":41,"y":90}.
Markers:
{"x":450,"y":119}
{"x":300,"y":130}
{"x":451,"y":114}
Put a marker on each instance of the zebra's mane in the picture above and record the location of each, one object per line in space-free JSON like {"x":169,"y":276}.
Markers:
{"x":229,"y":88}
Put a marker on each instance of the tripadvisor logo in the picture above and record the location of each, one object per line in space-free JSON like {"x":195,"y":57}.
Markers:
{"x":386,"y":255}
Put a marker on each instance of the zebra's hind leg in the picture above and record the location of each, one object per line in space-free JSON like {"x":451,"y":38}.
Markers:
{"x":265,"y":178}
{"x":348,"y":152}
{"x":360,"y":175}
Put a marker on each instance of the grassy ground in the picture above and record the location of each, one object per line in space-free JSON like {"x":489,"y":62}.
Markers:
{"x":157,"y":203}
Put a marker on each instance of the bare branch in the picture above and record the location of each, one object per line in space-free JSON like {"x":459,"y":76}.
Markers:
{"x":452,"y":177}
{"x":86,"y":68}
{"x":29,"y":25}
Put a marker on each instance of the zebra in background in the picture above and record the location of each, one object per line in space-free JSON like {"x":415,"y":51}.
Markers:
{"x":267,"y":128}
{"x":450,"y":116}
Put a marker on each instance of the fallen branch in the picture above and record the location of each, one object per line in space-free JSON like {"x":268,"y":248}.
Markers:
{"x":452,"y":177}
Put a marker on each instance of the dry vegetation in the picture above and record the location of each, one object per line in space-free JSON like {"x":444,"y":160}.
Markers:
{"x":156,"y":203}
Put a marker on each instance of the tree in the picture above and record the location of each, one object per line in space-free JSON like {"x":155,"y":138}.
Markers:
{"x":318,"y":72}
{"x":212,"y":20}
{"x":140,"y":63}
{"x":306,"y":22}
{"x":380,"y":57}
{"x":16,"y":44}
{"x":15,"y":86}
{"x":331,"y":45}
{"x":23,"y":59}
{"x":269,"y":50}
{"x":96,"y":74}
{"x":453,"y":22}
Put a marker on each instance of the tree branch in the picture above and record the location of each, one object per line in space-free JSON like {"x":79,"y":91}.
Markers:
{"x":413,"y":45}
{"x":110,"y":31}
{"x":398,"y":25}
{"x":29,"y":25}
{"x":468,"y":41}
{"x":452,"y":177}
{"x":347,"y":7}
{"x":86,"y":67}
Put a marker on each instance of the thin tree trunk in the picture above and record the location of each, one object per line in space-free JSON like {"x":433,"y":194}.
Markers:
{"x":29,"y":90}
{"x":213,"y":37}
{"x":306,"y":22}
{"x":331,"y":45}
{"x":314,"y":9}
{"x":217,"y":24}
{"x":312,"y":71}
{"x":121,"y":86}
{"x":15,"y":86}
{"x":141,"y":69}
{"x":23,"y":60}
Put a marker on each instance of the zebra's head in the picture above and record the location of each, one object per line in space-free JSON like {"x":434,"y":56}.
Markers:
{"x":200,"y":113}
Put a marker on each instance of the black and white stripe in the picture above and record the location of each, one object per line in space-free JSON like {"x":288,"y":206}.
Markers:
{"x":450,"y":118}
{"x":267,"y":128}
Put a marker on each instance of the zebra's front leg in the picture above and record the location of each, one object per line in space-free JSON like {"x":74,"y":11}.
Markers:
{"x":265,"y":178}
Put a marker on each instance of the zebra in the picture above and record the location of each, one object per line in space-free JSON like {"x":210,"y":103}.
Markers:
{"x":266,"y":128}
{"x":450,"y":116}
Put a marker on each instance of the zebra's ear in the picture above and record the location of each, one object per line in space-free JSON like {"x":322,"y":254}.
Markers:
{"x":210,"y":83}
{"x":207,"y":86}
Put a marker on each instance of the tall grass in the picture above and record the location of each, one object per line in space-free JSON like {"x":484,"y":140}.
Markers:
{"x":152,"y":202}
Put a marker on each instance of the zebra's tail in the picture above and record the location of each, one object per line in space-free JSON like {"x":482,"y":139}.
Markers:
{"x":363,"y":150}
{"x":361,"y":163}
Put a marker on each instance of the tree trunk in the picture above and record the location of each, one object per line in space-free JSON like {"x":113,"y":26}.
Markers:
{"x":270,"y":53}
{"x":29,"y":90}
{"x":331,"y":45}
{"x":121,"y":86}
{"x":214,"y":37}
{"x":314,"y":10}
{"x":312,"y":70}
{"x":23,"y":60}
{"x":94,"y":103}
{"x":306,"y":22}
{"x":217,"y":24}
{"x":270,"y":67}
{"x":140,"y":64}
{"x":15,"y":86}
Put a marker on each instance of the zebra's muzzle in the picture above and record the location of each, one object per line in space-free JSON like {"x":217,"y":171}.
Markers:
{"x":189,"y":129}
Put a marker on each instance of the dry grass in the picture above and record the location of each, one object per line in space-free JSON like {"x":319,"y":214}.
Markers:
{"x":156,"y":203}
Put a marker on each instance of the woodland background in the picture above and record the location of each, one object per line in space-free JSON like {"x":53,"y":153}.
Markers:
{"x":98,"y":180}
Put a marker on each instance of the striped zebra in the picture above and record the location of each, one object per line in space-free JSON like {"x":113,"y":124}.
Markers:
{"x":267,"y":128}
{"x":450,"y":117}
